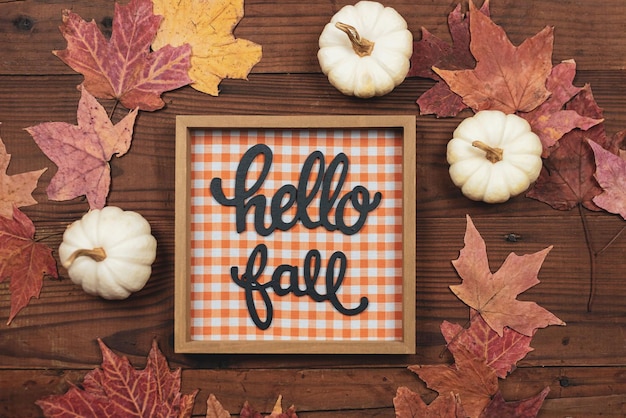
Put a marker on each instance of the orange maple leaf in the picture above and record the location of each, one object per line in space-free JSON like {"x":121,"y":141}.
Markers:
{"x":23,"y":260}
{"x":15,"y":190}
{"x":494,"y":295}
{"x":408,"y":404}
{"x":123,"y":67}
{"x":506,"y":77}
{"x":470,"y":377}
{"x":208,"y":27}
{"x":82,"y":152}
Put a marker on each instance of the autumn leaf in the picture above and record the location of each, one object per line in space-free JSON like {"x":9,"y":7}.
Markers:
{"x":23,"y":260}
{"x":527,"y":408}
{"x":123,"y":67}
{"x":499,"y":352}
{"x":430,"y":51}
{"x":15,"y":190}
{"x":611,"y":175}
{"x":119,"y":390}
{"x":277,"y":412}
{"x":494,"y":295}
{"x":214,"y":408}
{"x":517,"y":75}
{"x":550,"y":121}
{"x":408,"y":404}
{"x":82,"y":152}
{"x":470,"y":377}
{"x":567,"y":177}
{"x":208,"y":27}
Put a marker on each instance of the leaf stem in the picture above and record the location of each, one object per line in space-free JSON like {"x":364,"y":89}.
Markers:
{"x":117,"y":101}
{"x":615,"y":237}
{"x":592,"y":257}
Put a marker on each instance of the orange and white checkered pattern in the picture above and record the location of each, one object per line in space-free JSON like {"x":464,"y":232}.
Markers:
{"x":374,"y":254}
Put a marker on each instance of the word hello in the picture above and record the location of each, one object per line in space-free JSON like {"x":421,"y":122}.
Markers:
{"x":246,"y":200}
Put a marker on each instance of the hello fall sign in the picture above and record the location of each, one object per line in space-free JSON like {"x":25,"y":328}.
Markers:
{"x":295,"y":236}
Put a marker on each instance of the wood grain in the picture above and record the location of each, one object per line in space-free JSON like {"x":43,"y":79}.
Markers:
{"x":53,"y":341}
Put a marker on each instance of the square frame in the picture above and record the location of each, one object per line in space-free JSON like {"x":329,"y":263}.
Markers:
{"x":184,"y":342}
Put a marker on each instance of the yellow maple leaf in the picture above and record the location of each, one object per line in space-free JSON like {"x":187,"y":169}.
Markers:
{"x":207,"y":25}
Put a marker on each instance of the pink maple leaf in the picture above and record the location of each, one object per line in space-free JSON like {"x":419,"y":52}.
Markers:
{"x":82,"y":152}
{"x":611,"y":175}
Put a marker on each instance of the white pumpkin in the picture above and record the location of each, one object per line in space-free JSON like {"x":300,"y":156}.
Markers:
{"x":109,"y":252}
{"x":365,"y":49}
{"x":494,"y":156}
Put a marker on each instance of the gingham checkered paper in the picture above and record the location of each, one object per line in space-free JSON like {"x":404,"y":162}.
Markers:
{"x":374,"y":254}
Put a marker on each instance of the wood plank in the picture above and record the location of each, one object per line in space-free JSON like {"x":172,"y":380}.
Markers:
{"x":46,"y":333}
{"x":60,"y":328}
{"x":52,"y":342}
{"x":320,"y":393}
{"x":589,"y":32}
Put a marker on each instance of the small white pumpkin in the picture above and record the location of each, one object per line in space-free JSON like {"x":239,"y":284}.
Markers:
{"x":365,"y":49}
{"x":494,"y":156}
{"x":109,"y":252}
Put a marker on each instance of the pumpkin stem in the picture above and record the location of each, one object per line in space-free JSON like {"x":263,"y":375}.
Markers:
{"x":97,"y":254}
{"x":492,"y":154}
{"x":362,"y":47}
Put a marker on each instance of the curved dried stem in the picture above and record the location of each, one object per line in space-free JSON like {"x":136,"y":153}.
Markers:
{"x":492,"y":154}
{"x":362,"y":47}
{"x":97,"y":254}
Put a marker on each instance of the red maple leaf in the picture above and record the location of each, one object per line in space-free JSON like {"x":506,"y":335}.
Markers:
{"x":408,"y":404}
{"x":119,"y":390}
{"x":494,"y":295}
{"x":499,"y":352}
{"x":470,"y":377}
{"x":82,"y":152}
{"x":15,"y":190}
{"x":567,"y":177}
{"x":431,"y":51}
{"x":611,"y":175}
{"x":123,"y":67}
{"x":516,"y":75}
{"x":23,"y":260}
{"x":526,"y":408}
{"x":550,"y":121}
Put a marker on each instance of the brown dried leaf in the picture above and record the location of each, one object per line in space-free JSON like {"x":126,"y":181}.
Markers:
{"x":214,"y":408}
{"x":23,"y":260}
{"x":15,"y":190}
{"x":517,"y":75}
{"x":494,"y":296}
{"x":408,"y":404}
{"x":119,"y":390}
{"x":550,"y":121}
{"x":611,"y":175}
{"x":567,"y":177}
{"x":500,"y":352}
{"x":431,"y":51}
{"x":123,"y":67}
{"x":470,"y":377}
{"x":82,"y":152}
{"x":527,"y":408}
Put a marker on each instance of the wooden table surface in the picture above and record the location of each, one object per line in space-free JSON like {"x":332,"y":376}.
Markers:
{"x":53,"y":341}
